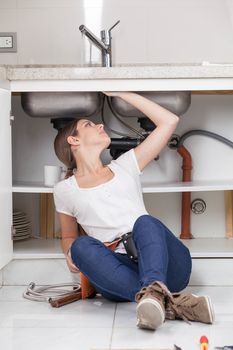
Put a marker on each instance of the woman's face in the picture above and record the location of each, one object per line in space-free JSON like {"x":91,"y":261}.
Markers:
{"x":90,"y":133}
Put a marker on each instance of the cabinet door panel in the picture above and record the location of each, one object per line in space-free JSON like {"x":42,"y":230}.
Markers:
{"x":6,"y":244}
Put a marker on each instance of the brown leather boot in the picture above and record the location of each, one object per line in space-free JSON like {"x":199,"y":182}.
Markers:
{"x":151,"y":305}
{"x":189,"y":307}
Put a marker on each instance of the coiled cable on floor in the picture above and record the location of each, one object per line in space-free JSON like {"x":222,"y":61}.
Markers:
{"x":48,"y":292}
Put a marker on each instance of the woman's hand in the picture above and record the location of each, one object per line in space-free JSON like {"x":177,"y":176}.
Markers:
{"x":72,"y":267}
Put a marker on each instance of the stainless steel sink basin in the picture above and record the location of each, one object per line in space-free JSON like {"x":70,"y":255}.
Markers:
{"x":61,"y":104}
{"x":177,"y":102}
{"x":86,"y":104}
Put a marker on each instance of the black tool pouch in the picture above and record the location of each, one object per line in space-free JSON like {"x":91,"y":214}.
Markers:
{"x":129,"y":245}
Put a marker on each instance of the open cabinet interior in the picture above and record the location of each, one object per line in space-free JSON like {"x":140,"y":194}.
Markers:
{"x":212,"y":174}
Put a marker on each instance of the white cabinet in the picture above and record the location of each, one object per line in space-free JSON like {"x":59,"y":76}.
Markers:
{"x":37,"y":134}
{"x":209,"y":179}
{"x":6,"y":246}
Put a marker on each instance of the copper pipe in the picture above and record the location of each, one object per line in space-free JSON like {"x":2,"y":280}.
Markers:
{"x":186,"y":196}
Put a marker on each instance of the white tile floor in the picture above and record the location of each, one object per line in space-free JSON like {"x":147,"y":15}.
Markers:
{"x":100,"y":324}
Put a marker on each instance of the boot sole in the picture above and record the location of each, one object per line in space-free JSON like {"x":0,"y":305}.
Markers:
{"x":210,"y":309}
{"x":150,"y":314}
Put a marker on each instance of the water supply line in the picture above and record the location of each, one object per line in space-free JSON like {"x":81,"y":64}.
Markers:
{"x":205,"y":133}
{"x":187,"y":175}
{"x":56,"y":294}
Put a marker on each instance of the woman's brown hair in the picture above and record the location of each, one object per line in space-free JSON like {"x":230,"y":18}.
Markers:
{"x":63,"y":149}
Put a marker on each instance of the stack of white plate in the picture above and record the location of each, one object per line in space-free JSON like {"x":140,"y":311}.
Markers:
{"x":21,"y":226}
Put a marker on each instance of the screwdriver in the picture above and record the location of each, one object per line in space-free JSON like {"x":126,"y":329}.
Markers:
{"x":204,"y":342}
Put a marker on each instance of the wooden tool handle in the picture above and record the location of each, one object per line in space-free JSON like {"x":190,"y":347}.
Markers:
{"x":65,"y":300}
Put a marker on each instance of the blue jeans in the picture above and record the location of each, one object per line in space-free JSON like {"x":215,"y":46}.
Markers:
{"x":161,"y":257}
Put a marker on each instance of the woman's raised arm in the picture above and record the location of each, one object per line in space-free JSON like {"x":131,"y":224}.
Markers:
{"x":164,"y":120}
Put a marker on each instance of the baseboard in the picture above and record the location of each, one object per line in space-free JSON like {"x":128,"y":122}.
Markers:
{"x":205,"y":271}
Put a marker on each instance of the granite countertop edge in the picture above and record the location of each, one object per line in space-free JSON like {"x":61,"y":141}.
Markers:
{"x":137,"y":71}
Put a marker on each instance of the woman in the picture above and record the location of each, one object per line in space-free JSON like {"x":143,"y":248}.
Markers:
{"x":106,"y":200}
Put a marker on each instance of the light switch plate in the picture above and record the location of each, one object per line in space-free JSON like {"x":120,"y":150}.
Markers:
{"x":8,"y":42}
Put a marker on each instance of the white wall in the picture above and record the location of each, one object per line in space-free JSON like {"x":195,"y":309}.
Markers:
{"x":151,"y":31}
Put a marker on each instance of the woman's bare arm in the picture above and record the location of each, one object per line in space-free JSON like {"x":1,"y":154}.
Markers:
{"x":164,"y":120}
{"x":69,"y":232}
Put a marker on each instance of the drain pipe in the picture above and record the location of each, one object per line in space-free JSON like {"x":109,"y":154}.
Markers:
{"x":186,"y":196}
{"x":187,"y":167}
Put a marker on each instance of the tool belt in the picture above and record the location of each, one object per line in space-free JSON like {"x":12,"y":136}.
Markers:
{"x":129,"y":245}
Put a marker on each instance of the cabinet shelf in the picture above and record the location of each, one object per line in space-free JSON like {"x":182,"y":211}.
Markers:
{"x":36,"y":248}
{"x":192,"y":186}
{"x":30,"y":187}
{"x":210,"y":247}
{"x":147,"y":187}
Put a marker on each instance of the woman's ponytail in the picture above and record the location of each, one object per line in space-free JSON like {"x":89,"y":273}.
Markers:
{"x":63,"y":149}
{"x":69,"y":173}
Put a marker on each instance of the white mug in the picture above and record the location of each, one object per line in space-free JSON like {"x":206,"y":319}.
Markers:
{"x":52,"y":174}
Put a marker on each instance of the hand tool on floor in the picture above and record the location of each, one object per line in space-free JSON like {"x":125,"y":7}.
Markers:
{"x":204,"y":342}
{"x":177,"y":347}
{"x":61,"y":301}
{"x":225,"y":347}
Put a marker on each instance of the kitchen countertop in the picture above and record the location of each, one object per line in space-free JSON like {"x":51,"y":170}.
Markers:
{"x":137,"y":71}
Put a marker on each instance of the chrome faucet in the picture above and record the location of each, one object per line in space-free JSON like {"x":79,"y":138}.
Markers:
{"x":105,"y":44}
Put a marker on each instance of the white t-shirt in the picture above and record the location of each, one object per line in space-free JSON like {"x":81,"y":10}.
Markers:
{"x":108,"y":210}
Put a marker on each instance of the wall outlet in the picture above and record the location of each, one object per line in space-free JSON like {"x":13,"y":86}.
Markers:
{"x":8,"y":42}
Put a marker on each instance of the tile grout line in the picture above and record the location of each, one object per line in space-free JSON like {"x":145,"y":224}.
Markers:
{"x":113,"y":322}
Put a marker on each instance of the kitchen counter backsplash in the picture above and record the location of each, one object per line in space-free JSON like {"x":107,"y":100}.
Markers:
{"x":137,"y":71}
{"x":2,"y":73}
